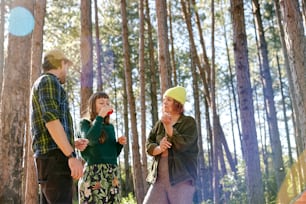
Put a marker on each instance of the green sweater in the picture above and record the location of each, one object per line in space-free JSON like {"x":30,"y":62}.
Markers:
{"x":96,"y":153}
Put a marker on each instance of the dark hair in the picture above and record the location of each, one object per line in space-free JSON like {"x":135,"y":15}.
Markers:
{"x":178,"y":107}
{"x":93,"y":112}
{"x":92,"y":106}
{"x":51,"y":63}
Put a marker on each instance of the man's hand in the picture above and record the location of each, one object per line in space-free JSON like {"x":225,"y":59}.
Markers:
{"x":81,"y":143}
{"x":76,"y":168}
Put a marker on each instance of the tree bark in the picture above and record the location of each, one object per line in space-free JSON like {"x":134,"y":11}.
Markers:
{"x":172,"y":53}
{"x":14,"y":112}
{"x":2,"y":23}
{"x":142,"y":81}
{"x":153,"y":69}
{"x":138,"y":179}
{"x":86,"y":55}
{"x":246,"y":107}
{"x":296,"y":47}
{"x":31,"y":185}
{"x":266,"y":78}
{"x":98,"y":49}
{"x":163,"y":45}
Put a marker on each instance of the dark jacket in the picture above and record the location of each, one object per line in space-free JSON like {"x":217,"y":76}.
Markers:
{"x":182,"y":156}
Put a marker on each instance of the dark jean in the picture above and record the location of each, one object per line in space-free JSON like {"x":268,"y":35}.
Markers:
{"x":54,"y":178}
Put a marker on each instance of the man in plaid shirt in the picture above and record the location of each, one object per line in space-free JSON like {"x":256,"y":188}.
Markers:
{"x":52,"y":132}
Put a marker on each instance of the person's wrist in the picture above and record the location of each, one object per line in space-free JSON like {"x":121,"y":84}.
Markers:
{"x":160,"y":149}
{"x":72,"y":155}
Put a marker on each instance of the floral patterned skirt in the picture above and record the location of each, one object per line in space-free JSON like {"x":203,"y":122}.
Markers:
{"x":99,"y":184}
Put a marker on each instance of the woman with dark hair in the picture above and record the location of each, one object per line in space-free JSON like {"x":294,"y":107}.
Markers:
{"x":100,"y":183}
{"x":173,"y":144}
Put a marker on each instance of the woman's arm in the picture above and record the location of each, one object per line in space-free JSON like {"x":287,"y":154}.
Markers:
{"x":93,"y":131}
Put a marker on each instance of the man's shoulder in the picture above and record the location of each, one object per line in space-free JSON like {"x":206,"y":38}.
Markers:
{"x":45,"y":79}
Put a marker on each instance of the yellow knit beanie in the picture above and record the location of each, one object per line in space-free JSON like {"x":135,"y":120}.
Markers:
{"x":178,"y":93}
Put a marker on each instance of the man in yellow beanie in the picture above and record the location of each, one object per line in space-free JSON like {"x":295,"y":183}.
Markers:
{"x":173,"y":144}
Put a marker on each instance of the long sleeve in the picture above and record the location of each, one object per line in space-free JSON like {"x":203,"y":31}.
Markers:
{"x":93,"y":131}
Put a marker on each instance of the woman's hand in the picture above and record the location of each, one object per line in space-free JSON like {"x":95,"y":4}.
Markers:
{"x":105,"y":110}
{"x":122,"y":140}
{"x":166,"y":119}
{"x":164,"y":144}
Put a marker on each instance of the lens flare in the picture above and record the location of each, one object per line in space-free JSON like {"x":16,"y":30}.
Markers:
{"x":21,"y":21}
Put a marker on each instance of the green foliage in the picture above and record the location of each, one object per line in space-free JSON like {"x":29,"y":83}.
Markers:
{"x":130,"y":199}
{"x":234,"y":188}
{"x":270,"y":188}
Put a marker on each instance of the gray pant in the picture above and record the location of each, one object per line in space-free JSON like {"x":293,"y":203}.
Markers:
{"x":162,"y":192}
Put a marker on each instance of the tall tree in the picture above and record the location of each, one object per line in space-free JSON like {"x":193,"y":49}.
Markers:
{"x":246,"y":107}
{"x":173,"y":61}
{"x":2,"y":23}
{"x":299,"y":143}
{"x":217,"y":148}
{"x":142,"y":81}
{"x":31,"y":186}
{"x":269,"y":96}
{"x":231,"y":88}
{"x":86,"y":54}
{"x":304,"y":12}
{"x":205,"y":70}
{"x":202,"y":182}
{"x":128,"y":187}
{"x":153,"y":70}
{"x":163,"y":45}
{"x":138,"y":179}
{"x":296,"y":47}
{"x":14,"y":112}
{"x":98,"y":49}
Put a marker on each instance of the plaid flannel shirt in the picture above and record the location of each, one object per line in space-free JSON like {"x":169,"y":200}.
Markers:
{"x":48,"y":102}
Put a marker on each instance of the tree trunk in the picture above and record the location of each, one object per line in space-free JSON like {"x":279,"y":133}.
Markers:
{"x":304,"y":12}
{"x":2,"y":23}
{"x":201,"y":182}
{"x":172,"y":54}
{"x":98,"y":50}
{"x":138,"y":179}
{"x":266,"y":78}
{"x":217,"y":148}
{"x":128,"y":187}
{"x":246,"y":107}
{"x":294,"y":179}
{"x":86,"y":55}
{"x":202,"y":42}
{"x":142,"y":81}
{"x":296,"y":47}
{"x":232,"y":93}
{"x":31,"y":185}
{"x":299,"y":143}
{"x":153,"y":70}
{"x":14,"y":112}
{"x":163,"y":45}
